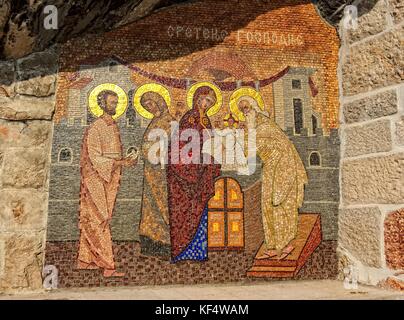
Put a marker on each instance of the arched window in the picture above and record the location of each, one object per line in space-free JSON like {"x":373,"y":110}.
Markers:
{"x":314,"y":123}
{"x":65,"y":155}
{"x":315,"y":159}
{"x":298,"y":114}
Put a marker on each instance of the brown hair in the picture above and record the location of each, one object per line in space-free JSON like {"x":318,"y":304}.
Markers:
{"x":203,"y":91}
{"x":102,"y":97}
{"x":154,"y":96}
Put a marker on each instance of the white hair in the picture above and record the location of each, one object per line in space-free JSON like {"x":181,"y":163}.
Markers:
{"x":254,"y":105}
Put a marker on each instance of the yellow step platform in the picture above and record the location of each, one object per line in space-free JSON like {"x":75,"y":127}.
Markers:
{"x":307,"y":240}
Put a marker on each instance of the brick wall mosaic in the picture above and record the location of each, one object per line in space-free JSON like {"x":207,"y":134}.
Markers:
{"x":115,"y":218}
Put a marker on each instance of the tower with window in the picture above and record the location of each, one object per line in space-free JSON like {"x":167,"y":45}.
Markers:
{"x":293,"y":102}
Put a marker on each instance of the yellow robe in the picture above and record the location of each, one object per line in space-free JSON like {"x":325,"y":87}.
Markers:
{"x":154,"y":223}
{"x":283,"y":180}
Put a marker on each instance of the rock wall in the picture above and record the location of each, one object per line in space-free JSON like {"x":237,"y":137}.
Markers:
{"x":27,"y":101}
{"x":372,"y":149}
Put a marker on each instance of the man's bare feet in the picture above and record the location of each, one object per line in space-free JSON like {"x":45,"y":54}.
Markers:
{"x":113,"y":273}
{"x":286,"y":251}
{"x":271,"y":253}
{"x":261,"y":257}
{"x":86,"y":266}
{"x":267,"y":254}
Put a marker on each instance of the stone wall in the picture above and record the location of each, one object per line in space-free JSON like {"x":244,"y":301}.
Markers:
{"x":26,"y":110}
{"x":372,"y":149}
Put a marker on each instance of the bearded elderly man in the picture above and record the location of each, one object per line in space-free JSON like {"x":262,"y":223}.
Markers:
{"x":283,"y":180}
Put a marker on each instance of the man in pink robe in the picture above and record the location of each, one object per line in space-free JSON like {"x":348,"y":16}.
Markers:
{"x":101,"y":165}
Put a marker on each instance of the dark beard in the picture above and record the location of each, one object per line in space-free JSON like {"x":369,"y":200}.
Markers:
{"x":110,"y":112}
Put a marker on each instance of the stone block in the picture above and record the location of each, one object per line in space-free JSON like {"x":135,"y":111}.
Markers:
{"x":368,"y":138}
{"x":25,"y":108}
{"x":24,"y":134}
{"x":372,"y":20}
{"x":37,"y":86}
{"x":393,"y":239}
{"x":373,"y":180}
{"x":373,"y":107}
{"x":2,"y":256}
{"x":397,"y":10}
{"x":373,"y":64}
{"x":392,"y":283}
{"x":400,"y":131}
{"x":22,"y":210}
{"x":24,"y":168}
{"x":360,"y":234}
{"x":23,"y":262}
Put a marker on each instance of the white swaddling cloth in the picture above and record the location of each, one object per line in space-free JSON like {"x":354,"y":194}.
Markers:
{"x":226,"y":148}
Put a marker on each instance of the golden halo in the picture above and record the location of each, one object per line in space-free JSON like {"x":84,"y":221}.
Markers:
{"x":150,"y":87}
{"x":96,"y":110}
{"x":242,"y":92}
{"x":219,"y":98}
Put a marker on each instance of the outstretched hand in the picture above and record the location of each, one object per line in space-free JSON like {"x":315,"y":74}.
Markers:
{"x":126,"y":162}
{"x":129,"y":162}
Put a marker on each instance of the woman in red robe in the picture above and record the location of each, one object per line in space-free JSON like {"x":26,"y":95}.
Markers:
{"x":191,"y":185}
